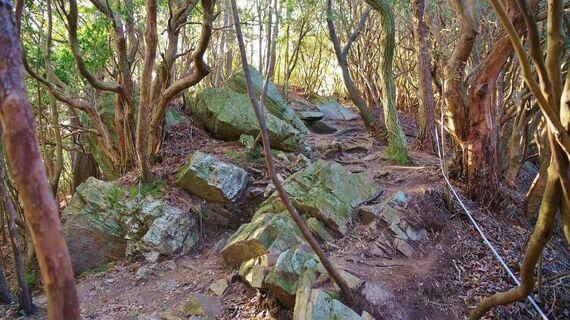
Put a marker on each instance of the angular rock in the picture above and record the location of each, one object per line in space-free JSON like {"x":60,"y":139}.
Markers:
{"x":403,"y":247}
{"x":322,"y":127}
{"x":202,"y":305}
{"x":255,"y":270}
{"x":323,"y":190}
{"x":92,"y":224}
{"x":275,"y":103}
{"x":219,"y":287}
{"x":227,"y":115}
{"x":247,"y":141}
{"x":266,"y":233}
{"x":211,"y":179}
{"x":316,"y":304}
{"x":174,"y":117}
{"x":171,"y":232}
{"x":374,"y":294}
{"x":333,"y":110}
{"x":318,"y":229}
{"x":294,"y":267}
{"x":311,"y":116}
{"x":144,"y":273}
{"x":103,"y":223}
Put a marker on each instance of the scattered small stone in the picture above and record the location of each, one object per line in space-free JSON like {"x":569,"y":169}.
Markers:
{"x":151,"y":256}
{"x":404,"y":247}
{"x":374,"y":294}
{"x":219,"y":287}
{"x":202,"y":305}
{"x":170,"y":265}
{"x":144,"y":273}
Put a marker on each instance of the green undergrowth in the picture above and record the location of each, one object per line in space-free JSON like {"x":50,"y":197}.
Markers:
{"x":153,"y":189}
{"x":250,"y":156}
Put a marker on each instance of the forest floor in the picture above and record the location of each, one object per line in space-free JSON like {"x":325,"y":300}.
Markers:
{"x":450,"y":272}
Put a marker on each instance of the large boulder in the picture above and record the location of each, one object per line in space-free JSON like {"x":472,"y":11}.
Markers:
{"x":323,"y":190}
{"x":333,"y":110}
{"x":92,"y":224}
{"x":211,"y":179}
{"x":104,"y":223}
{"x":274,"y":102}
{"x":227,"y":115}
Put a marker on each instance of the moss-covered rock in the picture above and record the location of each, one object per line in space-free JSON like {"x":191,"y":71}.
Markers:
{"x":294,"y":267}
{"x":274,"y":102}
{"x":323,"y":190}
{"x":227,"y":115}
{"x":211,"y":179}
{"x":92,"y":224}
{"x":317,"y":304}
{"x":103,"y":223}
{"x":266,"y":233}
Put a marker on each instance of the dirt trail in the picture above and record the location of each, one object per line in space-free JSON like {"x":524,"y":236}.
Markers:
{"x":450,"y":272}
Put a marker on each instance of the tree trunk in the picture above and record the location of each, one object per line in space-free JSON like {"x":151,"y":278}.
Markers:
{"x":5,"y":293}
{"x":426,"y":99}
{"x":481,"y":139}
{"x":341,"y":55}
{"x":26,"y":167}
{"x":151,"y":42}
{"x":12,"y":215}
{"x":397,"y":145}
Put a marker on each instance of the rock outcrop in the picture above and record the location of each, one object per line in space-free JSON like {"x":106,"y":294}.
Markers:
{"x":333,"y":110}
{"x":275,"y":103}
{"x":323,"y":190}
{"x":103,"y":223}
{"x":227,"y":115}
{"x":273,"y":254}
{"x":211,"y":179}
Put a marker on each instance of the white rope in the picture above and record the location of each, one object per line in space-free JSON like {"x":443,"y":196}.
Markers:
{"x":479,"y":229}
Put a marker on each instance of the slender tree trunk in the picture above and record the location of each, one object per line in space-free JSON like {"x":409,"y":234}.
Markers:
{"x":341,"y":55}
{"x":5,"y":293}
{"x":27,"y":169}
{"x":427,"y":102}
{"x":397,"y":145}
{"x":151,"y":42}
{"x":25,"y":296}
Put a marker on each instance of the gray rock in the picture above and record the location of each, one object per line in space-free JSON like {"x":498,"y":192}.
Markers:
{"x":144,"y":273}
{"x":211,"y":179}
{"x":403,"y":247}
{"x":173,"y":117}
{"x":170,"y":265}
{"x":170,"y":233}
{"x":333,"y":110}
{"x":92,"y":224}
{"x":202,"y":305}
{"x":374,"y":294}
{"x":323,"y":190}
{"x":219,"y":287}
{"x":311,"y":116}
